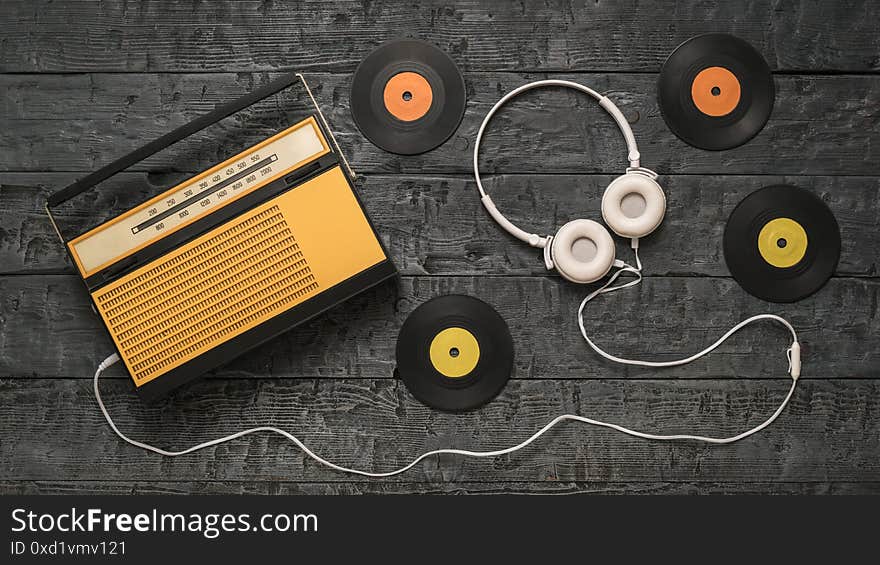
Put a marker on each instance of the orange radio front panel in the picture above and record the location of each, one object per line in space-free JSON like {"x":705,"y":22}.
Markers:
{"x":292,"y":248}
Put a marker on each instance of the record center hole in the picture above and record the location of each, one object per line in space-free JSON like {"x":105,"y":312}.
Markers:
{"x":584,"y":249}
{"x":407,"y":95}
{"x":716,"y":91}
{"x":454,"y":352}
{"x":633,"y":205}
{"x":781,"y":243}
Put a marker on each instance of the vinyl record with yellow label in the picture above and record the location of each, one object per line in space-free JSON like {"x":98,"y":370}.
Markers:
{"x":715,"y":91}
{"x":454,"y":353}
{"x":782,"y":243}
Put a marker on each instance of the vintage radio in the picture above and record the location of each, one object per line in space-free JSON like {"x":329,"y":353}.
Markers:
{"x":232,"y":256}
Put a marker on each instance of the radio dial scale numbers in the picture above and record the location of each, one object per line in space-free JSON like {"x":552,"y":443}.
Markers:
{"x":199,"y":196}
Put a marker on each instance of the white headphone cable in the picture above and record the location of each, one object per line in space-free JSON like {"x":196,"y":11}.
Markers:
{"x":793,"y":353}
{"x":794,"y":358}
{"x":795,"y":346}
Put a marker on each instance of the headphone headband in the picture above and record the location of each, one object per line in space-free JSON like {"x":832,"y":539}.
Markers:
{"x":633,"y":151}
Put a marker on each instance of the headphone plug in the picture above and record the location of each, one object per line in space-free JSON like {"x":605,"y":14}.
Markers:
{"x":108,"y":362}
{"x":794,"y":360}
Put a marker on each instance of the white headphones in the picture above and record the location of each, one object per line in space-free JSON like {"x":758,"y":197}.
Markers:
{"x":633,"y":205}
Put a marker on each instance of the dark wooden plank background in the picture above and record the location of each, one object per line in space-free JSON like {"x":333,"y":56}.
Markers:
{"x":84,"y":81}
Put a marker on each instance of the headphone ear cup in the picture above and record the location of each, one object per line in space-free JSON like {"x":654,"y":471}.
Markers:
{"x":582,"y":251}
{"x":633,"y":205}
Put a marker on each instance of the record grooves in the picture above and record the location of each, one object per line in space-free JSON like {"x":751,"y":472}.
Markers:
{"x":715,"y":91}
{"x":781,"y":243}
{"x":407,"y":97}
{"x":454,"y":353}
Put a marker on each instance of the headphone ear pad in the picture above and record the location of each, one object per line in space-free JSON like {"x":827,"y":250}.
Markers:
{"x":582,"y":251}
{"x":633,"y":205}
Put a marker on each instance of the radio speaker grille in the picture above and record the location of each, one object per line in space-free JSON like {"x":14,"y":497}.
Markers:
{"x":182,"y":305}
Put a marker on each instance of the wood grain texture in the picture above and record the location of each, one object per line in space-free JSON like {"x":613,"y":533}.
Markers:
{"x":436,"y":225}
{"x":355,"y":487}
{"x":827,"y":433}
{"x":131,"y":71}
{"x":51,"y":331}
{"x":821,"y":125}
{"x":542,"y":36}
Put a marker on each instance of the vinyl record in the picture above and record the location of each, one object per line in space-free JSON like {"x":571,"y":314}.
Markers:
{"x":715,"y":91}
{"x":407,"y":97}
{"x":781,"y":243}
{"x":454,"y":353}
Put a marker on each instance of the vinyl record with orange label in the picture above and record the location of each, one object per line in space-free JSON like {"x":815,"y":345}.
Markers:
{"x":407,"y":97}
{"x":715,"y":91}
{"x":781,"y":243}
{"x":454,"y":353}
